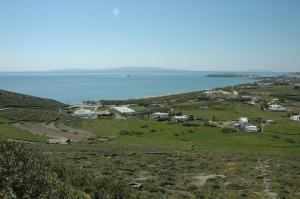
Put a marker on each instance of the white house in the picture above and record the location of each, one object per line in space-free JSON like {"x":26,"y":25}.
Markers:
{"x":84,"y":113}
{"x":276,"y":108}
{"x":124,"y":109}
{"x":244,"y":124}
{"x":182,"y":118}
{"x":159,"y":116}
{"x":251,"y":129}
{"x":243,"y":121}
{"x":295,"y":118}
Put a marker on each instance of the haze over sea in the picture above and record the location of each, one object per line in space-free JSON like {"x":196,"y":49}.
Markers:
{"x":76,"y":86}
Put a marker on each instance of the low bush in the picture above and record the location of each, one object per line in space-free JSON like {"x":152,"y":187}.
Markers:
{"x":228,"y":130}
{"x":26,"y":173}
{"x":189,"y":124}
{"x":123,"y":132}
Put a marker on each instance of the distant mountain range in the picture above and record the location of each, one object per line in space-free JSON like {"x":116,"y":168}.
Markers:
{"x":125,"y":69}
{"x":141,"y":69}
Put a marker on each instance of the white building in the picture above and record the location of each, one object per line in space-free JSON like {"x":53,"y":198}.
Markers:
{"x":124,"y":109}
{"x":182,"y":118}
{"x":159,"y":116}
{"x":243,"y":122}
{"x":84,"y":113}
{"x":276,"y":108}
{"x":295,"y":118}
{"x":251,"y":129}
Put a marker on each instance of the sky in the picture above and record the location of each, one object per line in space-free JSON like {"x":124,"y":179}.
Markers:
{"x":260,"y":35}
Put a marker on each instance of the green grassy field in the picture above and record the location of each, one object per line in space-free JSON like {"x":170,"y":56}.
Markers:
{"x":10,"y":132}
{"x":176,"y":136}
{"x":166,"y":157}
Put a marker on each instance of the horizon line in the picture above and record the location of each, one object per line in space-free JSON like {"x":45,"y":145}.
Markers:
{"x":78,"y":69}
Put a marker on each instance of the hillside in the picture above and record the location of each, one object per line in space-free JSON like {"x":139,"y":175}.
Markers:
{"x":205,"y":157}
{"x":11,"y":99}
{"x":46,"y":179}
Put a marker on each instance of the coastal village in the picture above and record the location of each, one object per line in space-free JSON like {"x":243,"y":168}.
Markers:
{"x":199,"y":141}
{"x":165,"y":113}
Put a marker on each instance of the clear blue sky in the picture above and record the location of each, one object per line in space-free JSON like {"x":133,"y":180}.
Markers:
{"x":187,"y":34}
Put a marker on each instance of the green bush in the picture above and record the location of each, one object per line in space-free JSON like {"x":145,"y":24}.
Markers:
{"x":228,"y":130}
{"x":189,"y":124}
{"x":26,"y":173}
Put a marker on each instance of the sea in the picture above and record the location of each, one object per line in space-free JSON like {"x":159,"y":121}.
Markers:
{"x":76,"y":87}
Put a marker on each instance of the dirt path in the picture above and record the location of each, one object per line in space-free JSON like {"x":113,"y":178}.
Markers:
{"x":57,"y":131}
{"x":20,"y":141}
{"x":263,"y":169}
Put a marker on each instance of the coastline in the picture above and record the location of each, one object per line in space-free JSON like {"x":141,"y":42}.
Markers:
{"x":171,"y":95}
{"x":78,"y":88}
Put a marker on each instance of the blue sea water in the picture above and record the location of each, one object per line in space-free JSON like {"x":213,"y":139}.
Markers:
{"x":75,"y":87}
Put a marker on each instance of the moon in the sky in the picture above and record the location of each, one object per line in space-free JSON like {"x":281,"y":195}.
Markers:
{"x":116,"y":12}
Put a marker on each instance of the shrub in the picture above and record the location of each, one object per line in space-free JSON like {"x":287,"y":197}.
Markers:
{"x":189,"y":124}
{"x":137,"y":133}
{"x":123,"y":132}
{"x":26,"y":174}
{"x":228,"y":130}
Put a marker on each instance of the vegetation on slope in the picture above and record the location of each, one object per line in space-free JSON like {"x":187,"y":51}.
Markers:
{"x":26,"y":173}
{"x":10,"y":99}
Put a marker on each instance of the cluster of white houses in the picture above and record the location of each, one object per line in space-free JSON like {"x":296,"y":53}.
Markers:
{"x":85,"y":113}
{"x":166,"y":116}
{"x":213,"y":93}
